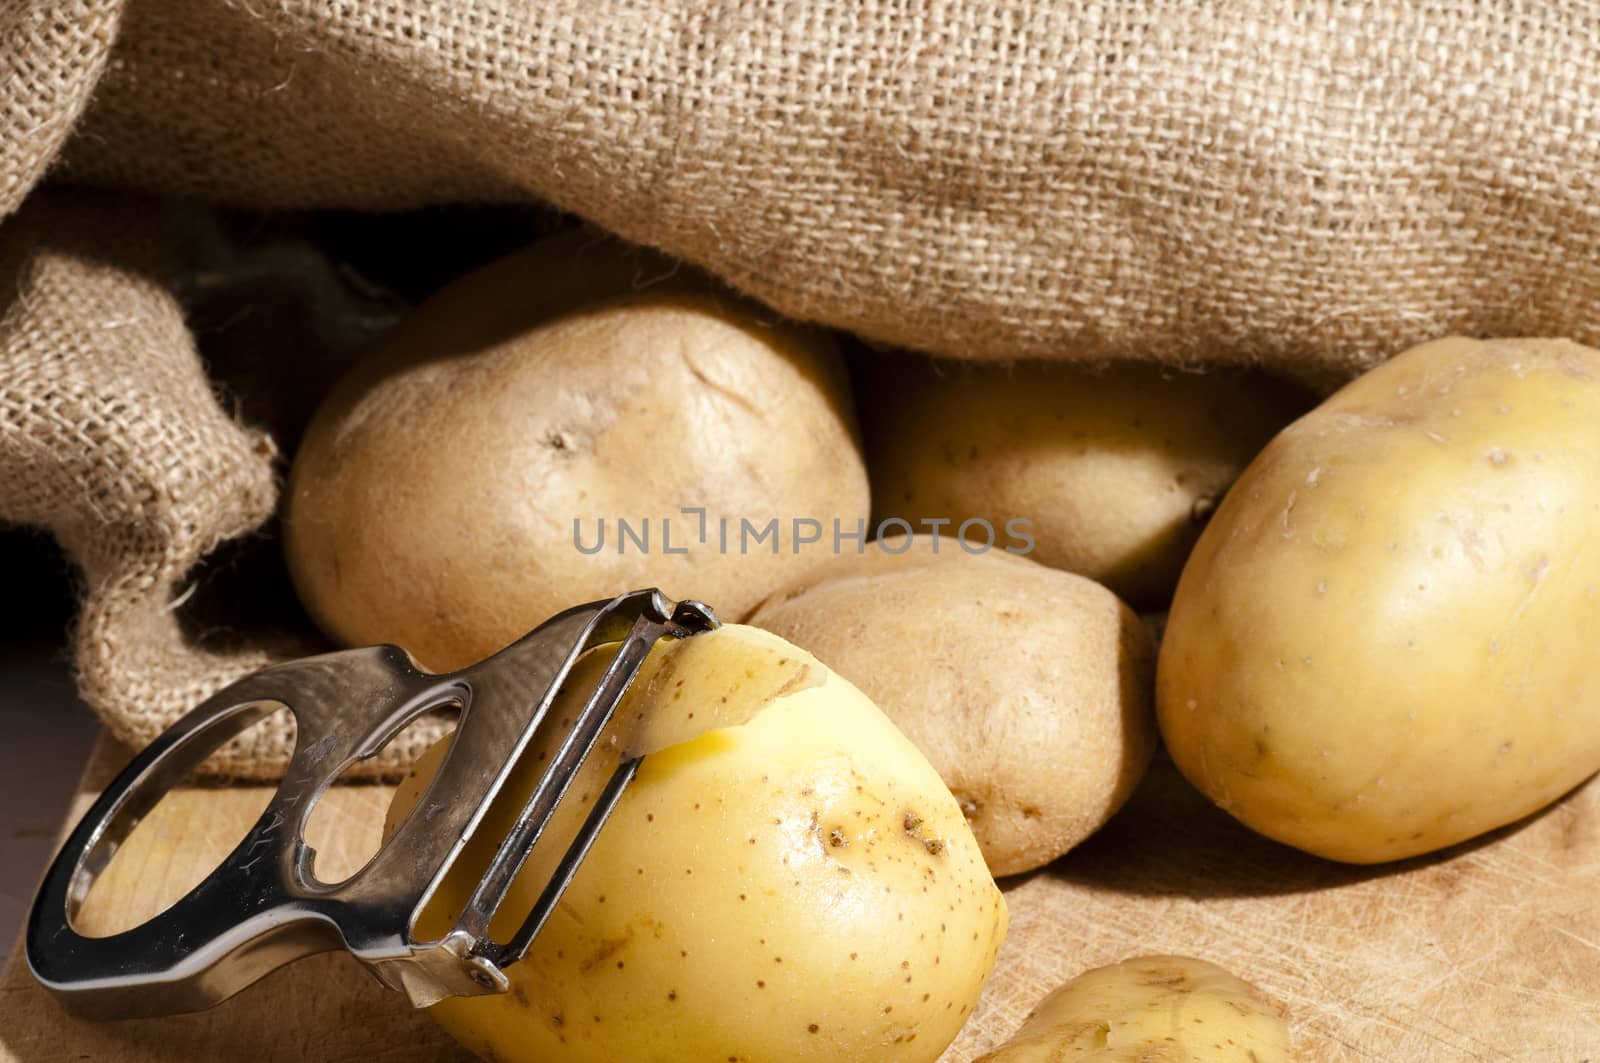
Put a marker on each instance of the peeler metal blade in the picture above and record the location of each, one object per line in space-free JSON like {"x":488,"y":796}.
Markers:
{"x":263,"y":907}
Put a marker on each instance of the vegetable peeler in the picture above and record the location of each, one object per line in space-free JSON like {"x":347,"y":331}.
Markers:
{"x":263,"y":907}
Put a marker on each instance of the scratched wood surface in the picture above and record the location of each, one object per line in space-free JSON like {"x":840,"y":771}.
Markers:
{"x":1489,"y":952}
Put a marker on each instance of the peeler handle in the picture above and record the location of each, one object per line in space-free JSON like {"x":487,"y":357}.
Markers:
{"x":262,"y":906}
{"x":225,"y":933}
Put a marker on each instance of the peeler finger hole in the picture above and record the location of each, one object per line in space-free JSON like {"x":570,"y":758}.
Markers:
{"x":153,"y":855}
{"x":345,"y":827}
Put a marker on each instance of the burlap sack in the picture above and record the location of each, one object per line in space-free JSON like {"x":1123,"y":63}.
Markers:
{"x":52,"y":52}
{"x":1310,"y":186}
{"x":111,"y":437}
{"x":114,"y":436}
{"x":1318,"y":182}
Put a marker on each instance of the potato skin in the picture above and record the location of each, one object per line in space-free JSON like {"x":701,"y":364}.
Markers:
{"x":1383,"y":643}
{"x":1116,"y":469}
{"x":1028,"y":688}
{"x":798,"y":888}
{"x":433,"y":499}
{"x":1152,"y":1009}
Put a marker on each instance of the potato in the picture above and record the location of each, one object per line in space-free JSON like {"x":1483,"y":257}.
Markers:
{"x":797,"y":886}
{"x":1028,"y":688}
{"x":1154,"y":1009}
{"x":1383,"y":643}
{"x":1115,"y":470}
{"x":469,"y":479}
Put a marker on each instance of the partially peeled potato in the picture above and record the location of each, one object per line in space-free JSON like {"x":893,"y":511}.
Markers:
{"x":787,"y":879}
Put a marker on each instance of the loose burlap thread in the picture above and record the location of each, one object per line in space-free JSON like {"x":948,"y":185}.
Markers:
{"x":1310,"y":187}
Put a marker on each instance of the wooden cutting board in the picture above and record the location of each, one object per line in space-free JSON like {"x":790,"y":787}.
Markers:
{"x":1488,"y":952}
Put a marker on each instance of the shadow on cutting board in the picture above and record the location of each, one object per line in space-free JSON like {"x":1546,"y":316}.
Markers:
{"x":322,"y":1008}
{"x":1171,"y":841}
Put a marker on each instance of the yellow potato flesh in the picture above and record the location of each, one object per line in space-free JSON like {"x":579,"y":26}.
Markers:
{"x":798,"y":887}
{"x":1154,"y":1009}
{"x":1383,"y":643}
